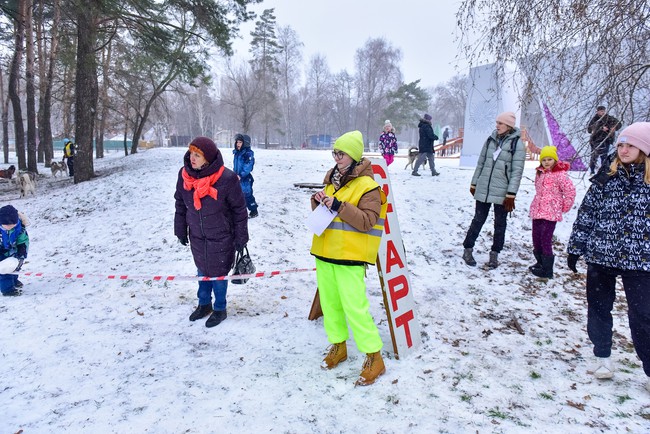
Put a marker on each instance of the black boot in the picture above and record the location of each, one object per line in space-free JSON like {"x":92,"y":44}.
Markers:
{"x":494,"y":260}
{"x":216,"y":318}
{"x":468,"y":257}
{"x":538,"y":258}
{"x":201,"y":312}
{"x":547,"y":267}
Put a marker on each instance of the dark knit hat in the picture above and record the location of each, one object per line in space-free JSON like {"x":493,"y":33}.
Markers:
{"x":601,"y":107}
{"x":206,"y":147}
{"x":427,"y":117}
{"x":8,"y":215}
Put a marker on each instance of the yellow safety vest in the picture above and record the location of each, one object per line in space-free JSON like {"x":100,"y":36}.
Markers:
{"x":67,"y":149}
{"x":340,"y":240}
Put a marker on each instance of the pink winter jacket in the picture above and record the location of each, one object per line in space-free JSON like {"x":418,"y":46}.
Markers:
{"x":554,"y":193}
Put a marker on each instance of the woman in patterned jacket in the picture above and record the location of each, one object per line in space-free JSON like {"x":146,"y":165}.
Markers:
{"x":554,"y":196}
{"x":612,"y":233}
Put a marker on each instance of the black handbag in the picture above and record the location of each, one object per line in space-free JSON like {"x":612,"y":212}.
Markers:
{"x":243,"y":265}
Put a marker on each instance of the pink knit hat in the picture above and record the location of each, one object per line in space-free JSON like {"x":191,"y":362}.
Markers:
{"x":507,"y":118}
{"x":637,"y":135}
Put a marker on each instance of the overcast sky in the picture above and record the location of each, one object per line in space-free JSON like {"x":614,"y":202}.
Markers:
{"x":425,"y":32}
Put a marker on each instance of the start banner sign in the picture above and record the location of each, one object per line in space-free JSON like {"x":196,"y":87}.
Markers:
{"x":394,"y":274}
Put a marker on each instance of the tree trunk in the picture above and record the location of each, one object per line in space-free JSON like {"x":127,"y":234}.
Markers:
{"x":67,"y":101}
{"x":14,"y":84}
{"x":5,"y":119}
{"x":46,"y":71}
{"x":99,"y":145}
{"x":86,"y":92}
{"x":30,"y":93}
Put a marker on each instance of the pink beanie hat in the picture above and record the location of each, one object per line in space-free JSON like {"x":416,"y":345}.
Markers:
{"x":507,"y":118}
{"x":637,"y":135}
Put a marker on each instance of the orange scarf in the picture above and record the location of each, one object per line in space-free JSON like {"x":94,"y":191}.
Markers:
{"x":202,"y":186}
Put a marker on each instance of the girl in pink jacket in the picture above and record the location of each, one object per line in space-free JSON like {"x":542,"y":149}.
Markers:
{"x":554,"y":196}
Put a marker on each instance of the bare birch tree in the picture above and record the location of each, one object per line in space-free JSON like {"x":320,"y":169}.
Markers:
{"x":449,"y":101}
{"x":319,"y":93}
{"x":378,"y":73}
{"x":290,"y":58}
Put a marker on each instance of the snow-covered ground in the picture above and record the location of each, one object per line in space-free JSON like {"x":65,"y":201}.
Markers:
{"x":100,"y":355}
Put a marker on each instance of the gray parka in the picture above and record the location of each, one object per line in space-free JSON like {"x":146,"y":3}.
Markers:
{"x":496,"y":178}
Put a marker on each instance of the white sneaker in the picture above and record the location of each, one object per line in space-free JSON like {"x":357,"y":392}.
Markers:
{"x":602,"y":368}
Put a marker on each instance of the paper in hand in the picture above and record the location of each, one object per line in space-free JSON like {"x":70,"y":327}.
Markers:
{"x":320,"y":218}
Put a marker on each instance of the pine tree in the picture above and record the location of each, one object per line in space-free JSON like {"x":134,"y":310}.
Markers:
{"x":265,"y":49}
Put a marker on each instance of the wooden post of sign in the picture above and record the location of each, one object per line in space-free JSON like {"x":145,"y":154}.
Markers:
{"x":387,"y":309}
{"x":316,"y":311}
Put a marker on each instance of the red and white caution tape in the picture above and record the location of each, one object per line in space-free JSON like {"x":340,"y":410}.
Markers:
{"x":166,"y":278}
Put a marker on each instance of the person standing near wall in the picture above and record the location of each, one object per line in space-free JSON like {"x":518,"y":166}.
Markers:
{"x":495,"y":182}
{"x":601,"y":128}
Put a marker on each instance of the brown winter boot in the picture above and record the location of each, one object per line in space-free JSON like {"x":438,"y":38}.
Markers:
{"x":373,"y":367}
{"x":337,"y":353}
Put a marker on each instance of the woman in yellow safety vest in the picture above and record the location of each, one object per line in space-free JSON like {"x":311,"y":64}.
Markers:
{"x":344,"y":249}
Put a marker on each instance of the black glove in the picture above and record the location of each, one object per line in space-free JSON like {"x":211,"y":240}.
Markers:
{"x":183,"y":240}
{"x":336,"y":204}
{"x":20,"y":264}
{"x":472,"y":189}
{"x":571,"y":262}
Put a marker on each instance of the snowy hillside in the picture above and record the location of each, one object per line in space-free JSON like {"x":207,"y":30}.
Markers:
{"x":100,"y":355}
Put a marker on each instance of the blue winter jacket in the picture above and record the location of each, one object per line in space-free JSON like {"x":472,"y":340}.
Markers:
{"x":613,"y":223}
{"x":14,"y":242}
{"x":244,"y":158}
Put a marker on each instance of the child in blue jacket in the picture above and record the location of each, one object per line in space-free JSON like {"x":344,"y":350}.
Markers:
{"x":243,"y":163}
{"x":13,"y":249}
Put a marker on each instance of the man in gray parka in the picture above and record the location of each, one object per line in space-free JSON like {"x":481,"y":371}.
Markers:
{"x":496,"y":181}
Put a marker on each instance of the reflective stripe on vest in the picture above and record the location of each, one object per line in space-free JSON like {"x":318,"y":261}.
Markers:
{"x":340,"y":240}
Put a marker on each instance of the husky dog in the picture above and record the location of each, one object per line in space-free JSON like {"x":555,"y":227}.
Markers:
{"x":27,"y":183}
{"x":58,"y":168}
{"x":412,"y":157}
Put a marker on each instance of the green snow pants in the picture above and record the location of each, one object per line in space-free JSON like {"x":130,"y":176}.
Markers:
{"x":342,"y":291}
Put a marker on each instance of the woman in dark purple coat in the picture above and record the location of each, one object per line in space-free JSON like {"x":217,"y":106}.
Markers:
{"x":210,"y":203}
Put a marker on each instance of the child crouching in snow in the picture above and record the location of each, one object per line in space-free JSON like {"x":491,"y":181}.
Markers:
{"x":554,"y":196}
{"x":13,"y":249}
